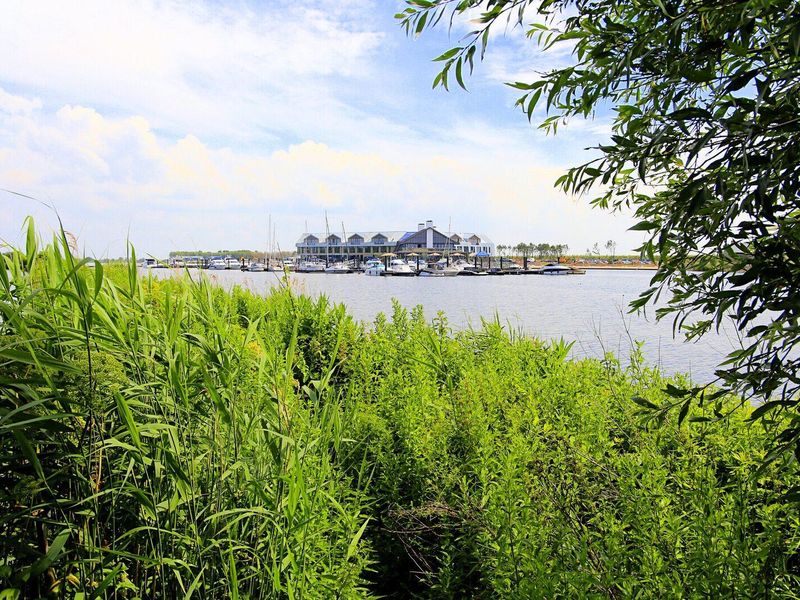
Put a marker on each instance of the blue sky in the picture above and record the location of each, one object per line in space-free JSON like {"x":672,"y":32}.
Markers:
{"x":184,"y":125}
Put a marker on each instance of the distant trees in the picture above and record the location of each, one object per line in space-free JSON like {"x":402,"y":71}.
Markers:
{"x":531,"y":250}
{"x":611,"y":246}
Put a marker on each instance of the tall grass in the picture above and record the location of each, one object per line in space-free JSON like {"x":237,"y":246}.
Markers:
{"x":163,"y":439}
{"x":157,"y":443}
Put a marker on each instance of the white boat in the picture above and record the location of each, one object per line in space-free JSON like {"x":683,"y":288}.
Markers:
{"x":311,"y":266}
{"x":217,"y":264}
{"x":552,"y":269}
{"x":374,"y":267}
{"x":338,"y":268}
{"x":399,"y":268}
{"x":256,"y":267}
{"x":439,"y":269}
{"x":148,"y":263}
{"x":232,"y":263}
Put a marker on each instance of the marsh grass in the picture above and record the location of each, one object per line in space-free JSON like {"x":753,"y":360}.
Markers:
{"x":163,"y":439}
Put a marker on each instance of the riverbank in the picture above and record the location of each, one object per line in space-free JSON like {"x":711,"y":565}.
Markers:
{"x":170,"y":437}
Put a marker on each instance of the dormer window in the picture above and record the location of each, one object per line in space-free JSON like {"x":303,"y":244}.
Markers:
{"x":333,"y":239}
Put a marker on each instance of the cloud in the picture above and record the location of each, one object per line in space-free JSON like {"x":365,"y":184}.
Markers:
{"x":186,"y":124}
{"x":224,"y":69}
{"x":107,"y":175}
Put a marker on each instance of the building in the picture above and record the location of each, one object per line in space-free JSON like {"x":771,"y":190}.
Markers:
{"x":363,"y":244}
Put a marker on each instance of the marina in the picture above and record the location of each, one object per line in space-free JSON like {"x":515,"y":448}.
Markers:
{"x":425,"y":252}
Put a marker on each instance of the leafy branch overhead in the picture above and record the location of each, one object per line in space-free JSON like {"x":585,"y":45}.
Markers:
{"x":705,"y":101}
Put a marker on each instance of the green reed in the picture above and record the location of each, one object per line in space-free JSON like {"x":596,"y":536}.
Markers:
{"x":167,"y":438}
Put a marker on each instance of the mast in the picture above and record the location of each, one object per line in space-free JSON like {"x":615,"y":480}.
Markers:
{"x":327,"y":240}
{"x":344,"y":243}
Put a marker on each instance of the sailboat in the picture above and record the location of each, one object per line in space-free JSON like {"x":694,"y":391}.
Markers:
{"x":340,"y":267}
{"x":258,"y":267}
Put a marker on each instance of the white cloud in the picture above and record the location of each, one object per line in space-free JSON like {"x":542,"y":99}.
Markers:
{"x":106,"y":175}
{"x":187,"y":123}
{"x":188,"y":66}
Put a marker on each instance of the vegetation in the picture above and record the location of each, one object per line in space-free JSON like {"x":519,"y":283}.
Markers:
{"x":163,"y":439}
{"x":540,"y":251}
{"x":704,"y":96}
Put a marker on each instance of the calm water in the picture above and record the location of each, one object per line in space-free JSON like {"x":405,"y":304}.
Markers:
{"x":590,"y":309}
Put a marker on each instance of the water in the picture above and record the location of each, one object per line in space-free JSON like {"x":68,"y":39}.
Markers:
{"x":590,"y":309}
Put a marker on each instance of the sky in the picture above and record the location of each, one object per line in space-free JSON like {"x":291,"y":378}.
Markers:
{"x":189,"y":125}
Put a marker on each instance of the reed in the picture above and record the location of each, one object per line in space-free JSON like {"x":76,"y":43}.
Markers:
{"x":167,"y":438}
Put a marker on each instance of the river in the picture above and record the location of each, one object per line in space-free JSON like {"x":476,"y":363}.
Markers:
{"x":590,"y":310}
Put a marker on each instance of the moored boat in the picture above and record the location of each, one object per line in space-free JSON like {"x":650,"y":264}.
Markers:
{"x":339,"y":268}
{"x":399,"y":268}
{"x":310,"y":266}
{"x":374,"y":267}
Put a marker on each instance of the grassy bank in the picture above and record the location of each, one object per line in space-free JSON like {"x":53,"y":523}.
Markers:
{"x":164,"y":439}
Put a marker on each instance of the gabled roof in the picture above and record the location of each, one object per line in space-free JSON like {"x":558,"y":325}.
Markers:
{"x":466,"y":235}
{"x":391,"y":236}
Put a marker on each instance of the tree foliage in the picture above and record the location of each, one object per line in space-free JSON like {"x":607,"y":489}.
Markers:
{"x":705,"y":99}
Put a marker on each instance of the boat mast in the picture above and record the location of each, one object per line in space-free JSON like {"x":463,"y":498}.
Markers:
{"x":327,"y":240}
{"x":344,"y":243}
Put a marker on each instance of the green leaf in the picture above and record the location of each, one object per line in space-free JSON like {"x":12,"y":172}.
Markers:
{"x":353,"y":545}
{"x":127,"y":418}
{"x":53,"y":552}
{"x":644,"y":226}
{"x":643,"y":402}
{"x":449,"y":54}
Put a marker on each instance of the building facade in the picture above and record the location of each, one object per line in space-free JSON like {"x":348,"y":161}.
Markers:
{"x":364,"y":244}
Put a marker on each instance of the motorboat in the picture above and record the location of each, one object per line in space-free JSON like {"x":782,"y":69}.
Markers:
{"x":256,"y":267}
{"x":399,"y":268}
{"x":232,"y":263}
{"x":338,"y":268}
{"x":310,"y":266}
{"x":217,"y":264}
{"x":148,"y":263}
{"x":553,"y":269}
{"x":439,"y":269}
{"x":374,"y":267}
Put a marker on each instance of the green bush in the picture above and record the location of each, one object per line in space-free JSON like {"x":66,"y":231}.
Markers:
{"x":164,"y":438}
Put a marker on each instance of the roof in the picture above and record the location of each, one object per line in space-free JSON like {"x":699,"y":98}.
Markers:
{"x":466,"y":235}
{"x":391,"y":236}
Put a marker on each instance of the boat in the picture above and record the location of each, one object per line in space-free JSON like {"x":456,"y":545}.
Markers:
{"x":399,"y":268}
{"x":232,"y":263}
{"x":310,"y":266}
{"x":471,"y":271}
{"x":553,"y":269}
{"x":338,"y":268}
{"x":148,"y":263}
{"x":374,"y":267}
{"x":256,"y":267}
{"x":217,"y":264}
{"x":439,"y":269}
